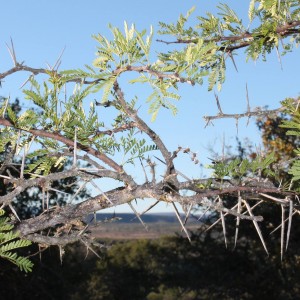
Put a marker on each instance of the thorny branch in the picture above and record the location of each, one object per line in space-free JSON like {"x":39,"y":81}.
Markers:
{"x":257,"y":112}
{"x":145,"y":128}
{"x":159,"y":75}
{"x":243,"y":40}
{"x":35,"y":71}
{"x":58,"y":137}
{"x":47,"y":227}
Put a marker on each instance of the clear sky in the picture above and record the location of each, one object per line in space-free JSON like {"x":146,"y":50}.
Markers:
{"x":41,"y":29}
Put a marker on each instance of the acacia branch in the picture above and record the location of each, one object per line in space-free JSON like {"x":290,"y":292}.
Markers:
{"x":159,"y":75}
{"x":63,"y":215}
{"x":257,"y":113}
{"x":55,"y":240}
{"x":23,"y":184}
{"x":58,"y":137}
{"x":21,"y":67}
{"x":145,"y":128}
{"x":116,"y":130}
{"x":244,"y":39}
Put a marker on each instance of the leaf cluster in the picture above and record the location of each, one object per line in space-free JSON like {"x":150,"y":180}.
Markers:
{"x":243,"y":168}
{"x":10,"y":242}
{"x":293,"y":129}
{"x":225,"y":33}
{"x":134,"y":148}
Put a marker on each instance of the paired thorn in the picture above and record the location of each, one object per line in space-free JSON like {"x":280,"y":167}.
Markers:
{"x":11,"y":50}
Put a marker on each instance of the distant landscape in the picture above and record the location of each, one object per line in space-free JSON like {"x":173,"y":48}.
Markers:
{"x":128,"y":226}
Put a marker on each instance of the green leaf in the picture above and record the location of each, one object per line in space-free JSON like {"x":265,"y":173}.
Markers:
{"x":10,"y":242}
{"x":12,"y":116}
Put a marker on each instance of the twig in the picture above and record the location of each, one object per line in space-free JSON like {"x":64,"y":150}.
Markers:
{"x":239,"y":40}
{"x":152,"y":72}
{"x":178,"y":172}
{"x":68,"y":142}
{"x":152,"y":170}
{"x":145,"y":128}
{"x":248,"y":114}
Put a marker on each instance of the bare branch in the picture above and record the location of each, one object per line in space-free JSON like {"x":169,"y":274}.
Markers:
{"x":145,"y":128}
{"x":257,"y":113}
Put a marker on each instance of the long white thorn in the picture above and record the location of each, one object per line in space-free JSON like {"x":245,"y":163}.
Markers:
{"x":138,"y":216}
{"x":256,"y":226}
{"x":282,"y":231}
{"x":291,"y":207}
{"x":180,"y":221}
{"x":238,"y":219}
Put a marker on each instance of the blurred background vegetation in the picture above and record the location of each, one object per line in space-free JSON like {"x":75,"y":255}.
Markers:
{"x":167,"y":268}
{"x":164,"y":268}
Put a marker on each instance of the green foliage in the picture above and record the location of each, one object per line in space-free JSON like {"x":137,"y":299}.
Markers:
{"x":67,"y":122}
{"x":217,"y":31}
{"x":134,"y":147}
{"x":38,"y":161}
{"x":165,"y":268}
{"x":202,"y":57}
{"x":10,"y":242}
{"x":241,"y":168}
{"x":179,"y":27}
{"x":293,"y":126}
{"x":125,"y":49}
{"x":171,"y":268}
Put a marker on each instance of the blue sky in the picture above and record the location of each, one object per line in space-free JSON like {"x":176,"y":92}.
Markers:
{"x":41,"y":29}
